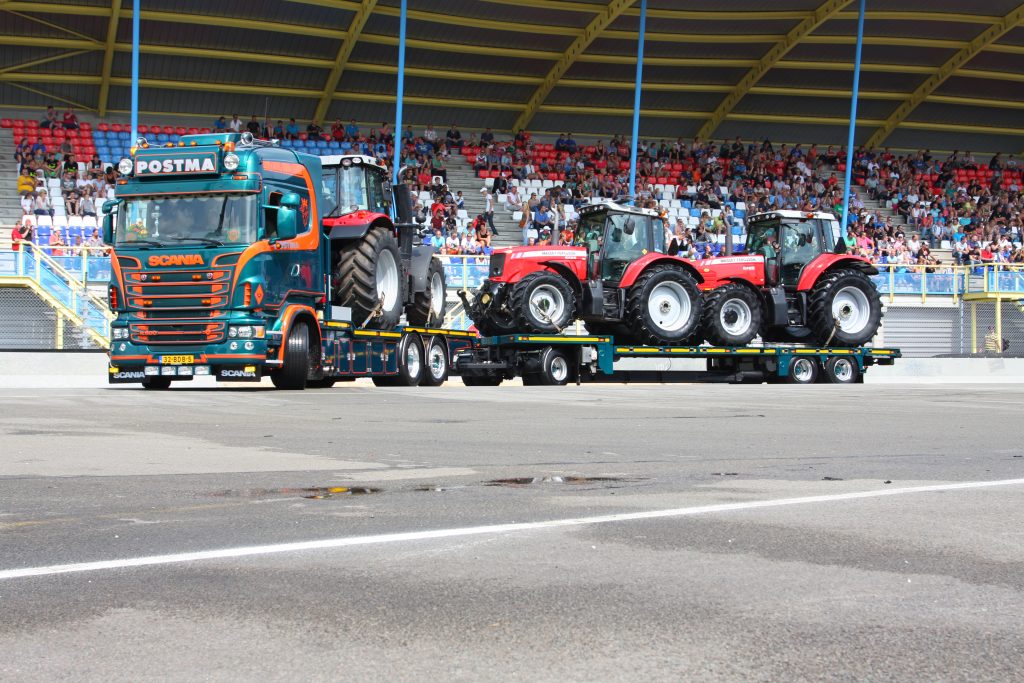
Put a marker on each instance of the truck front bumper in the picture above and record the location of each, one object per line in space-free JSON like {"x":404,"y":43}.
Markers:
{"x":234,"y":360}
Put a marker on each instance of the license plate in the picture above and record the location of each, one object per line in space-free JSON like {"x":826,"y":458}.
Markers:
{"x":177,"y":360}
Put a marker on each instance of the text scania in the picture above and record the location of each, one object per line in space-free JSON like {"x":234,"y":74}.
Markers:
{"x":190,"y":165}
{"x":176,"y":260}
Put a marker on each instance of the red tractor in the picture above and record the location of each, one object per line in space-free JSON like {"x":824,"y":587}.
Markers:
{"x":616,"y":276}
{"x":378,"y":266}
{"x":794,"y":283}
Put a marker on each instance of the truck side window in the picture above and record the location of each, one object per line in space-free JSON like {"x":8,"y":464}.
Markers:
{"x":270,"y":215}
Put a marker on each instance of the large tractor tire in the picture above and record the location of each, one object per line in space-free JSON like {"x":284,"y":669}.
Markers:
{"x":844,"y":309}
{"x":543,"y":303}
{"x":663,"y":306}
{"x":496,"y":321}
{"x":427,"y":308}
{"x":732,"y":315}
{"x":369,"y":280}
{"x":292,"y":375}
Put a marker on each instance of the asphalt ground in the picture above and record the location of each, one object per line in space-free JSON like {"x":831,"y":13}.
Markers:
{"x":665,"y":533}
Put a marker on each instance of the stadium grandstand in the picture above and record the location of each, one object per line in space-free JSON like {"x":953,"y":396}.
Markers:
{"x":516,"y":112}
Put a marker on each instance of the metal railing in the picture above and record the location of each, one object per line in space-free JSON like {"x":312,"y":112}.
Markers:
{"x":465,"y":271}
{"x":950,"y":281}
{"x":60,"y":288}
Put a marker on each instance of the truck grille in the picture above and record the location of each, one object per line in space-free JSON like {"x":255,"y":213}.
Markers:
{"x":155,"y":333}
{"x":203,"y":289}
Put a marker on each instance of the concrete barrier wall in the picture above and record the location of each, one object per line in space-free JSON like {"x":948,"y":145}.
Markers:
{"x":70,"y":370}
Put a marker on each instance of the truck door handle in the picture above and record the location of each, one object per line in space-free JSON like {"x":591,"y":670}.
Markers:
{"x":295,"y":270}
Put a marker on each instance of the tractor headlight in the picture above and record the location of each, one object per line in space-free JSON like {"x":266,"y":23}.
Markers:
{"x":125,"y":166}
{"x":231,"y":161}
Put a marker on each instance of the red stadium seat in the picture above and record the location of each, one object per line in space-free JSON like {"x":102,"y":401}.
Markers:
{"x":181,"y":130}
{"x":204,"y":131}
{"x":481,"y":174}
{"x":193,"y":131}
{"x":103,"y":126}
{"x":168,"y":130}
{"x":6,"y":123}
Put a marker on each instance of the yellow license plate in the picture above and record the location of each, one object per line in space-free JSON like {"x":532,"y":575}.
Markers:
{"x":177,"y":360}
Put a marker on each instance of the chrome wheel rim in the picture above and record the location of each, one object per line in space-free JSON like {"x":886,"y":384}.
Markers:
{"x":413,"y":362}
{"x":802,"y":370}
{"x":559,"y":369}
{"x":669,"y":306}
{"x":436,"y":361}
{"x":852,"y":309}
{"x":842,"y":368}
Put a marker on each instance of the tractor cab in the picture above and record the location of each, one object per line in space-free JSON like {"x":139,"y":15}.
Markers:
{"x":616,"y":236}
{"x":789,"y":241}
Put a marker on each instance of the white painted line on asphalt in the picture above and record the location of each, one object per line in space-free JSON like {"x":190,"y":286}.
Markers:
{"x":379,"y":539}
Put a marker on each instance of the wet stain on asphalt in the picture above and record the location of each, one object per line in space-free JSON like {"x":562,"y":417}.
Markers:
{"x":577,"y":481}
{"x":310,"y":492}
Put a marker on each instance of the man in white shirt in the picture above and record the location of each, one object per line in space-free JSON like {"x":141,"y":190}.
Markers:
{"x":489,"y":209}
{"x":513,"y":200}
{"x":236,"y":124}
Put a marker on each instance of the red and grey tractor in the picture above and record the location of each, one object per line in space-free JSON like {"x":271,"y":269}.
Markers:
{"x":793,"y":283}
{"x":378,"y":266}
{"x":615,"y":276}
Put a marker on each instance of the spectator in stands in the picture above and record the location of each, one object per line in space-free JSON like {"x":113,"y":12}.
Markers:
{"x":72,"y":205}
{"x":42,"y":205}
{"x":28,"y":204}
{"x":220,"y":125}
{"x":292,"y":130}
{"x":314,"y":131}
{"x":254,"y":127}
{"x":17,"y":235}
{"x":430,"y":135}
{"x":57,"y":242}
{"x":22,"y":153}
{"x":50,"y":119}
{"x":489,"y":210}
{"x":487,"y":137}
{"x":26,"y":182}
{"x":70,"y":121}
{"x":235,"y":125}
{"x":87,"y":205}
{"x":454,"y":137}
{"x":513,"y":200}
{"x":352,"y":131}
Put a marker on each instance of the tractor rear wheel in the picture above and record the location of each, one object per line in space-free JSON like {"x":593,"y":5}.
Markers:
{"x":427,"y":307}
{"x":844,"y":309}
{"x":368,"y":280}
{"x":543,"y":302}
{"x":732,"y":315}
{"x":663,"y":306}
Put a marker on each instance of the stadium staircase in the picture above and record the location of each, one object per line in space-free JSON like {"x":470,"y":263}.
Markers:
{"x":10,"y":204}
{"x":461,"y":176}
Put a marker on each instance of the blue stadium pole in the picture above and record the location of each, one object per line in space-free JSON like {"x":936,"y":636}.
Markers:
{"x":399,"y":95}
{"x":853,"y":123}
{"x":636,"y":102}
{"x":135,"y":72}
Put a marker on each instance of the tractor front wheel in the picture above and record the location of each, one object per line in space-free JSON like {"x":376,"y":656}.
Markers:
{"x":663,"y":306}
{"x":427,"y":307}
{"x":732,"y":315}
{"x":490,"y":318}
{"x":543,"y":302}
{"x":844,"y":309}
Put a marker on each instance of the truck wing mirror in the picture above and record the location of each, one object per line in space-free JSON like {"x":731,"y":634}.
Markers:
{"x":288,"y":216}
{"x":108,"y":220}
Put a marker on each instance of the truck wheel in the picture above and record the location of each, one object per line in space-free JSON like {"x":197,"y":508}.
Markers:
{"x":803,"y":371}
{"x":732,"y":315}
{"x":663,"y":306}
{"x":369,"y":277}
{"x":436,"y":371}
{"x":555,"y":368}
{"x":410,"y":364}
{"x":292,"y":375}
{"x":156,"y":382}
{"x":495,"y":322}
{"x":543,"y":302}
{"x":841,"y":370}
{"x":482,"y":381}
{"x":427,"y":307}
{"x":844,"y":309}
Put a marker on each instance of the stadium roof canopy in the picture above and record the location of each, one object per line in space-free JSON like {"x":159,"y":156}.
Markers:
{"x":937,"y":73}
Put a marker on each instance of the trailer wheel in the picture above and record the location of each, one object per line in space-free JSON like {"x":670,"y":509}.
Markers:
{"x":436,"y":371}
{"x":844,"y":309}
{"x":663,"y":306}
{"x":543,"y":303}
{"x":482,"y":380}
{"x":156,"y":382}
{"x":803,"y":371}
{"x":732,"y":315}
{"x":410,"y":364}
{"x":427,"y":307}
{"x":292,"y":375}
{"x":555,"y":368}
{"x":369,"y":280}
{"x":841,"y":370}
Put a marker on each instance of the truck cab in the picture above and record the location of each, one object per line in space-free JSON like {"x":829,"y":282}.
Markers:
{"x":216,"y":253}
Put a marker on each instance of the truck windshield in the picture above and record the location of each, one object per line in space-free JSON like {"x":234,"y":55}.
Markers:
{"x":172,"y":220}
{"x":345,"y":191}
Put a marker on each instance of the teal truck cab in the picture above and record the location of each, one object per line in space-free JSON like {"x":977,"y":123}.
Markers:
{"x":222,"y":264}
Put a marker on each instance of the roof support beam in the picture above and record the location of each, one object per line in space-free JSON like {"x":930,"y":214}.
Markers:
{"x":769,"y":60}
{"x":983,"y":40}
{"x":108,"y":55}
{"x":42,"y":60}
{"x":579,"y":45}
{"x":355,"y":29}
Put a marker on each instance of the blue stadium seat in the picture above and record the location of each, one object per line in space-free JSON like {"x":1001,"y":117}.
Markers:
{"x":175,"y":137}
{"x":686,"y":204}
{"x":333,"y":145}
{"x":286,"y":143}
{"x":124,"y":136}
{"x":162,"y":137}
{"x":695,"y":213}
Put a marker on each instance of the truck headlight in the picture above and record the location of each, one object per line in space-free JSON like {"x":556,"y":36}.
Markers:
{"x":125,"y":166}
{"x":231,"y":161}
{"x":119,"y":333}
{"x":247,"y":332}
